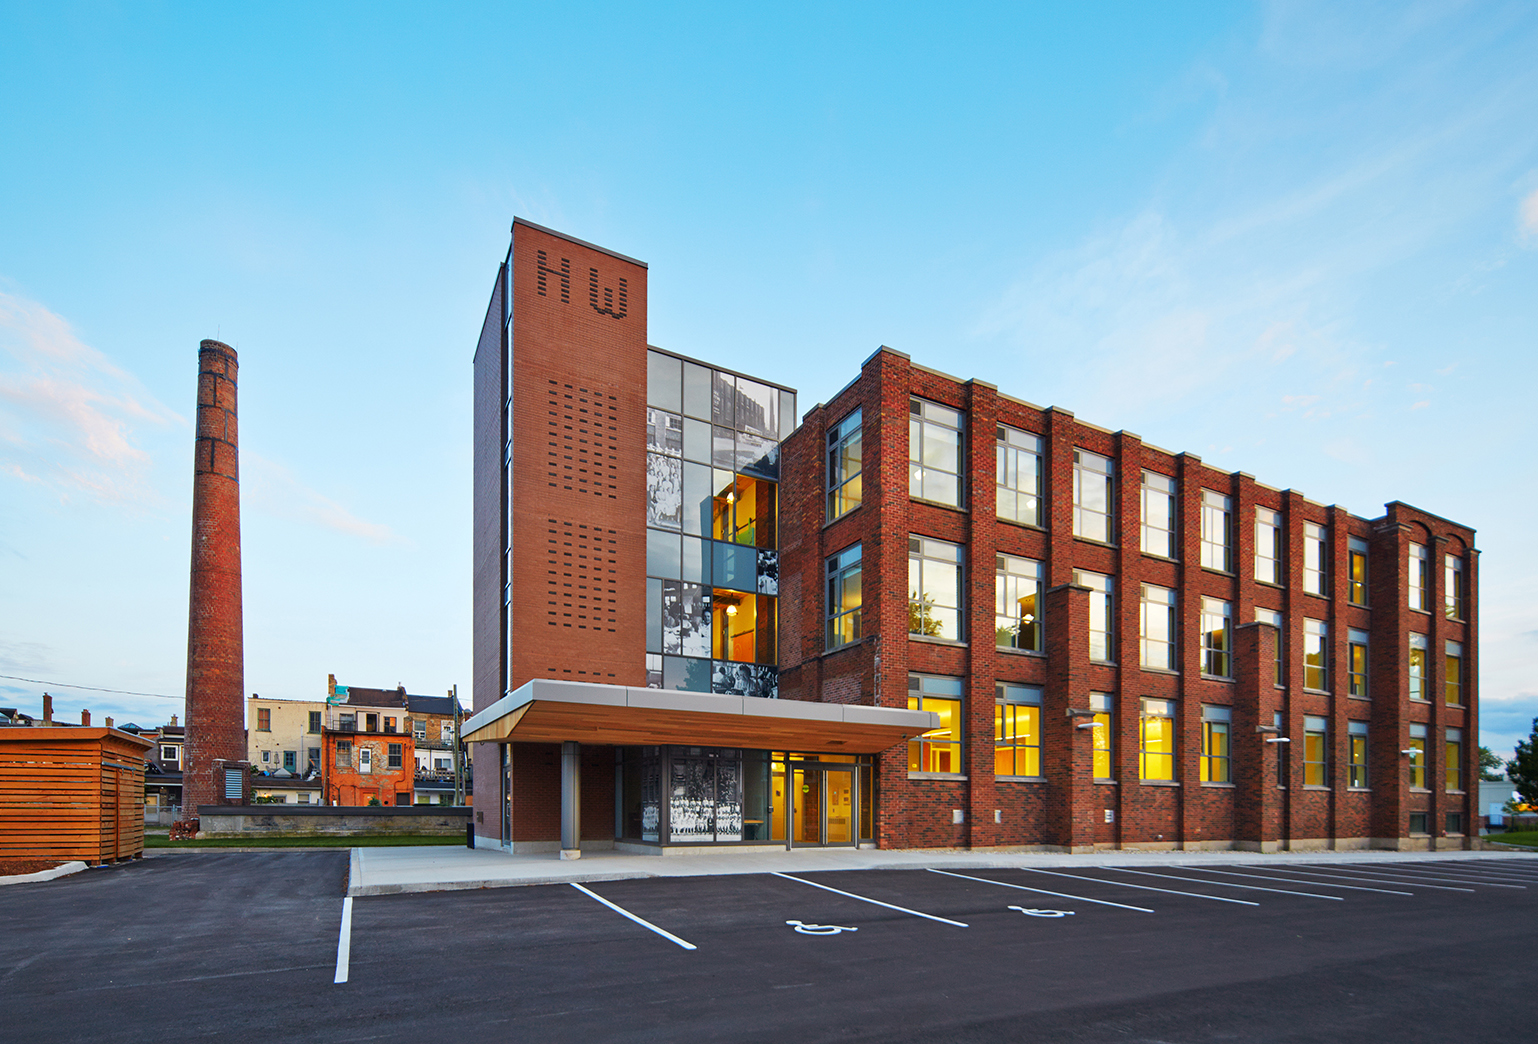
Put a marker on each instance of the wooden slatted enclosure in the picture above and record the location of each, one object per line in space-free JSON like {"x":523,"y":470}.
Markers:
{"x":71,"y":794}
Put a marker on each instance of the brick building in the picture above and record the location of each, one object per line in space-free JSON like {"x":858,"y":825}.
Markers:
{"x":366,"y":747}
{"x":1181,"y":657}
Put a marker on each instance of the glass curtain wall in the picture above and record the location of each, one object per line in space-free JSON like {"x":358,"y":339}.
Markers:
{"x":712,"y":536}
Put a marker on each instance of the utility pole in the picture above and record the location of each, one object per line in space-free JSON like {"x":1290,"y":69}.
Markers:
{"x":459,"y":767}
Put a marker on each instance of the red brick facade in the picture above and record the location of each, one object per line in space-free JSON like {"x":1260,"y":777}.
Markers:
{"x":1067,"y":808}
{"x":215,"y":655}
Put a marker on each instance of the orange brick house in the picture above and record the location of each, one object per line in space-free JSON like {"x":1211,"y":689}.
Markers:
{"x":367,"y":752}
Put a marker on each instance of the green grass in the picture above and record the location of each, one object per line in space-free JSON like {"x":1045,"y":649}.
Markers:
{"x":160,"y":840}
{"x":1525,"y":838}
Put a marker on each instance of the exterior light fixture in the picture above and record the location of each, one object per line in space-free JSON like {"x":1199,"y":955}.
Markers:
{"x":731,"y":610}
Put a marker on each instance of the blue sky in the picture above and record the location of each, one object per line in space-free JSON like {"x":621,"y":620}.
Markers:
{"x":1300,"y":240}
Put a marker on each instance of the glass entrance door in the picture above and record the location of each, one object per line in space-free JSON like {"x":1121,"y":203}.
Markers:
{"x":821,"y":806}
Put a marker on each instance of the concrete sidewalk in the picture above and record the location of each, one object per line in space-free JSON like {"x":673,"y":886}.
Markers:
{"x":383,"y":871}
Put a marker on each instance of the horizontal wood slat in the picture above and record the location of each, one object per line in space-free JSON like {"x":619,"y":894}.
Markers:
{"x":71,"y":794}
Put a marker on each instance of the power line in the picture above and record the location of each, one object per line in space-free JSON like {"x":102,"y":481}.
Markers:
{"x":92,"y":688}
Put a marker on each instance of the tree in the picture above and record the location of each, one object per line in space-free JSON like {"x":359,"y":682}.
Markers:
{"x":1523,"y":769}
{"x":1489,"y":765}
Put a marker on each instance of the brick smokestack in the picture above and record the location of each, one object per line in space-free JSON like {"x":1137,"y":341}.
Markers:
{"x":215,"y":649}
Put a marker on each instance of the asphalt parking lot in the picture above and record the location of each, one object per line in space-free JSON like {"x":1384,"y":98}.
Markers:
{"x":236,"y":945}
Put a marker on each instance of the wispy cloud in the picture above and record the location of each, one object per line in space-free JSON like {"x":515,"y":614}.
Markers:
{"x":69,"y":417}
{"x":1527,"y":218}
{"x":272,"y":487}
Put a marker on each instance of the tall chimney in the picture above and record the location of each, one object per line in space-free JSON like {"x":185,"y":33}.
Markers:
{"x":215,"y":650}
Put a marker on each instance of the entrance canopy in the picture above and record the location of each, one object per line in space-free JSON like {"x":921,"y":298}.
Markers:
{"x":549,"y":711}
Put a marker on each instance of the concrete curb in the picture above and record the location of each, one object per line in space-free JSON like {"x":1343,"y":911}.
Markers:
{"x":62,"y":870}
{"x":494,"y":882}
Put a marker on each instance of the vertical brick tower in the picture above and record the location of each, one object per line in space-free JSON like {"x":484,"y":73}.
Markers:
{"x":215,"y":653}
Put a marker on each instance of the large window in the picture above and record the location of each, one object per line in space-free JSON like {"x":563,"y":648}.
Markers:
{"x":1275,"y":619}
{"x":1316,"y":559}
{"x":1452,"y":582}
{"x":1217,"y":638}
{"x":1454,"y":687}
{"x":1453,"y":760}
{"x":934,"y":588}
{"x":1417,"y":752}
{"x":934,"y":453}
{"x":1093,"y":495}
{"x":1156,"y":740}
{"x":1018,"y":476}
{"x":1316,"y":751}
{"x":844,"y":598}
{"x":1101,"y":612}
{"x":1316,"y":654}
{"x":939,"y":749}
{"x":1356,"y":754}
{"x":1356,"y":563}
{"x":1268,"y":545}
{"x":1217,"y":532}
{"x":844,"y":464}
{"x":1017,"y":603}
{"x":1017,"y":730}
{"x":1156,"y":628}
{"x":1356,"y":662}
{"x":1215,"y":756}
{"x":1103,"y":735}
{"x":1158,"y":533}
{"x":1420,"y":578}
{"x":1418,"y":661}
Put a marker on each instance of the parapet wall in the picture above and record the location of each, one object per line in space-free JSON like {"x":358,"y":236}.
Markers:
{"x":330,"y":820}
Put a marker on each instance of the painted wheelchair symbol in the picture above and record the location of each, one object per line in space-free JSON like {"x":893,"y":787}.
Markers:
{"x":1042,"y":913}
{"x":819,"y":929}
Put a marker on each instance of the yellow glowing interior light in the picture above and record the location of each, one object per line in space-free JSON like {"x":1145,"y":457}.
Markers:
{"x":731,"y":610}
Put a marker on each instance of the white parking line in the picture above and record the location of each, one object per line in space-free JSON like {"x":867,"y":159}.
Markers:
{"x":1289,"y":880}
{"x":1406,"y":876}
{"x":1420,"y":872}
{"x":877,"y":902}
{"x":669,"y":936}
{"x":344,"y":942}
{"x":1375,"y":880}
{"x":1146,"y":888}
{"x":1043,"y":891}
{"x":1499,"y":873}
{"x":1226,"y":884}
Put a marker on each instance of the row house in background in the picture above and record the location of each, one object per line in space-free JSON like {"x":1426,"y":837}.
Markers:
{"x":434,"y":725}
{"x":1126,"y":647}
{"x":283,"y":737}
{"x":367,"y":748}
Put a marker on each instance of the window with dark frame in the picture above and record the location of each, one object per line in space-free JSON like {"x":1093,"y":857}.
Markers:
{"x":1017,"y":730}
{"x":1102,"y":617}
{"x":314,"y":722}
{"x":1316,"y":559}
{"x":935,"y":453}
{"x":1454,"y":674}
{"x":1356,"y":754}
{"x":1418,"y":662}
{"x":1356,"y":662}
{"x":394,"y":754}
{"x":263,"y":719}
{"x":1158,"y":515}
{"x":1275,"y":619}
{"x":1217,"y":532}
{"x":1420,"y":578}
{"x":1356,"y":565}
{"x":1316,"y":751}
{"x":1417,"y":749}
{"x":1452,"y":762}
{"x":1156,"y":741}
{"x":1017,"y":476}
{"x":1102,"y":736}
{"x":843,"y":598}
{"x":1316,"y":655}
{"x":1094,"y":496}
{"x":935,"y":588}
{"x":1215,"y":749}
{"x":845,"y":462}
{"x":1156,"y":627}
{"x":1217,"y":637}
{"x":1453,"y":586}
{"x":939,"y":749}
{"x":1017,"y":606}
{"x":1268,"y":546}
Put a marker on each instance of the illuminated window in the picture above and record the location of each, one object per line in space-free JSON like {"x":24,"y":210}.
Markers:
{"x":263,"y":719}
{"x":1316,"y":751}
{"x":1156,"y":740}
{"x":742,"y":627}
{"x":1017,"y":730}
{"x":1316,"y":559}
{"x":1452,"y":580}
{"x":844,"y":598}
{"x":1217,"y":532}
{"x":1093,"y":495}
{"x":1102,"y":736}
{"x":744,"y":510}
{"x":1156,"y":628}
{"x":1455,"y":674}
{"x":934,"y":453}
{"x":1274,"y":618}
{"x":1356,"y":754}
{"x":1217,"y":638}
{"x":1017,"y":587}
{"x":1215,"y":758}
{"x":1453,"y":762}
{"x":1158,"y":531}
{"x":1417,"y":749}
{"x":934,"y":588}
{"x":1017,"y":475}
{"x":939,"y":749}
{"x":1101,"y":615}
{"x":844,"y":466}
{"x":1356,"y":564}
{"x":1356,"y":661}
{"x":1316,"y":654}
{"x":1420,"y":578}
{"x":1418,"y":659}
{"x":1268,"y":545}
